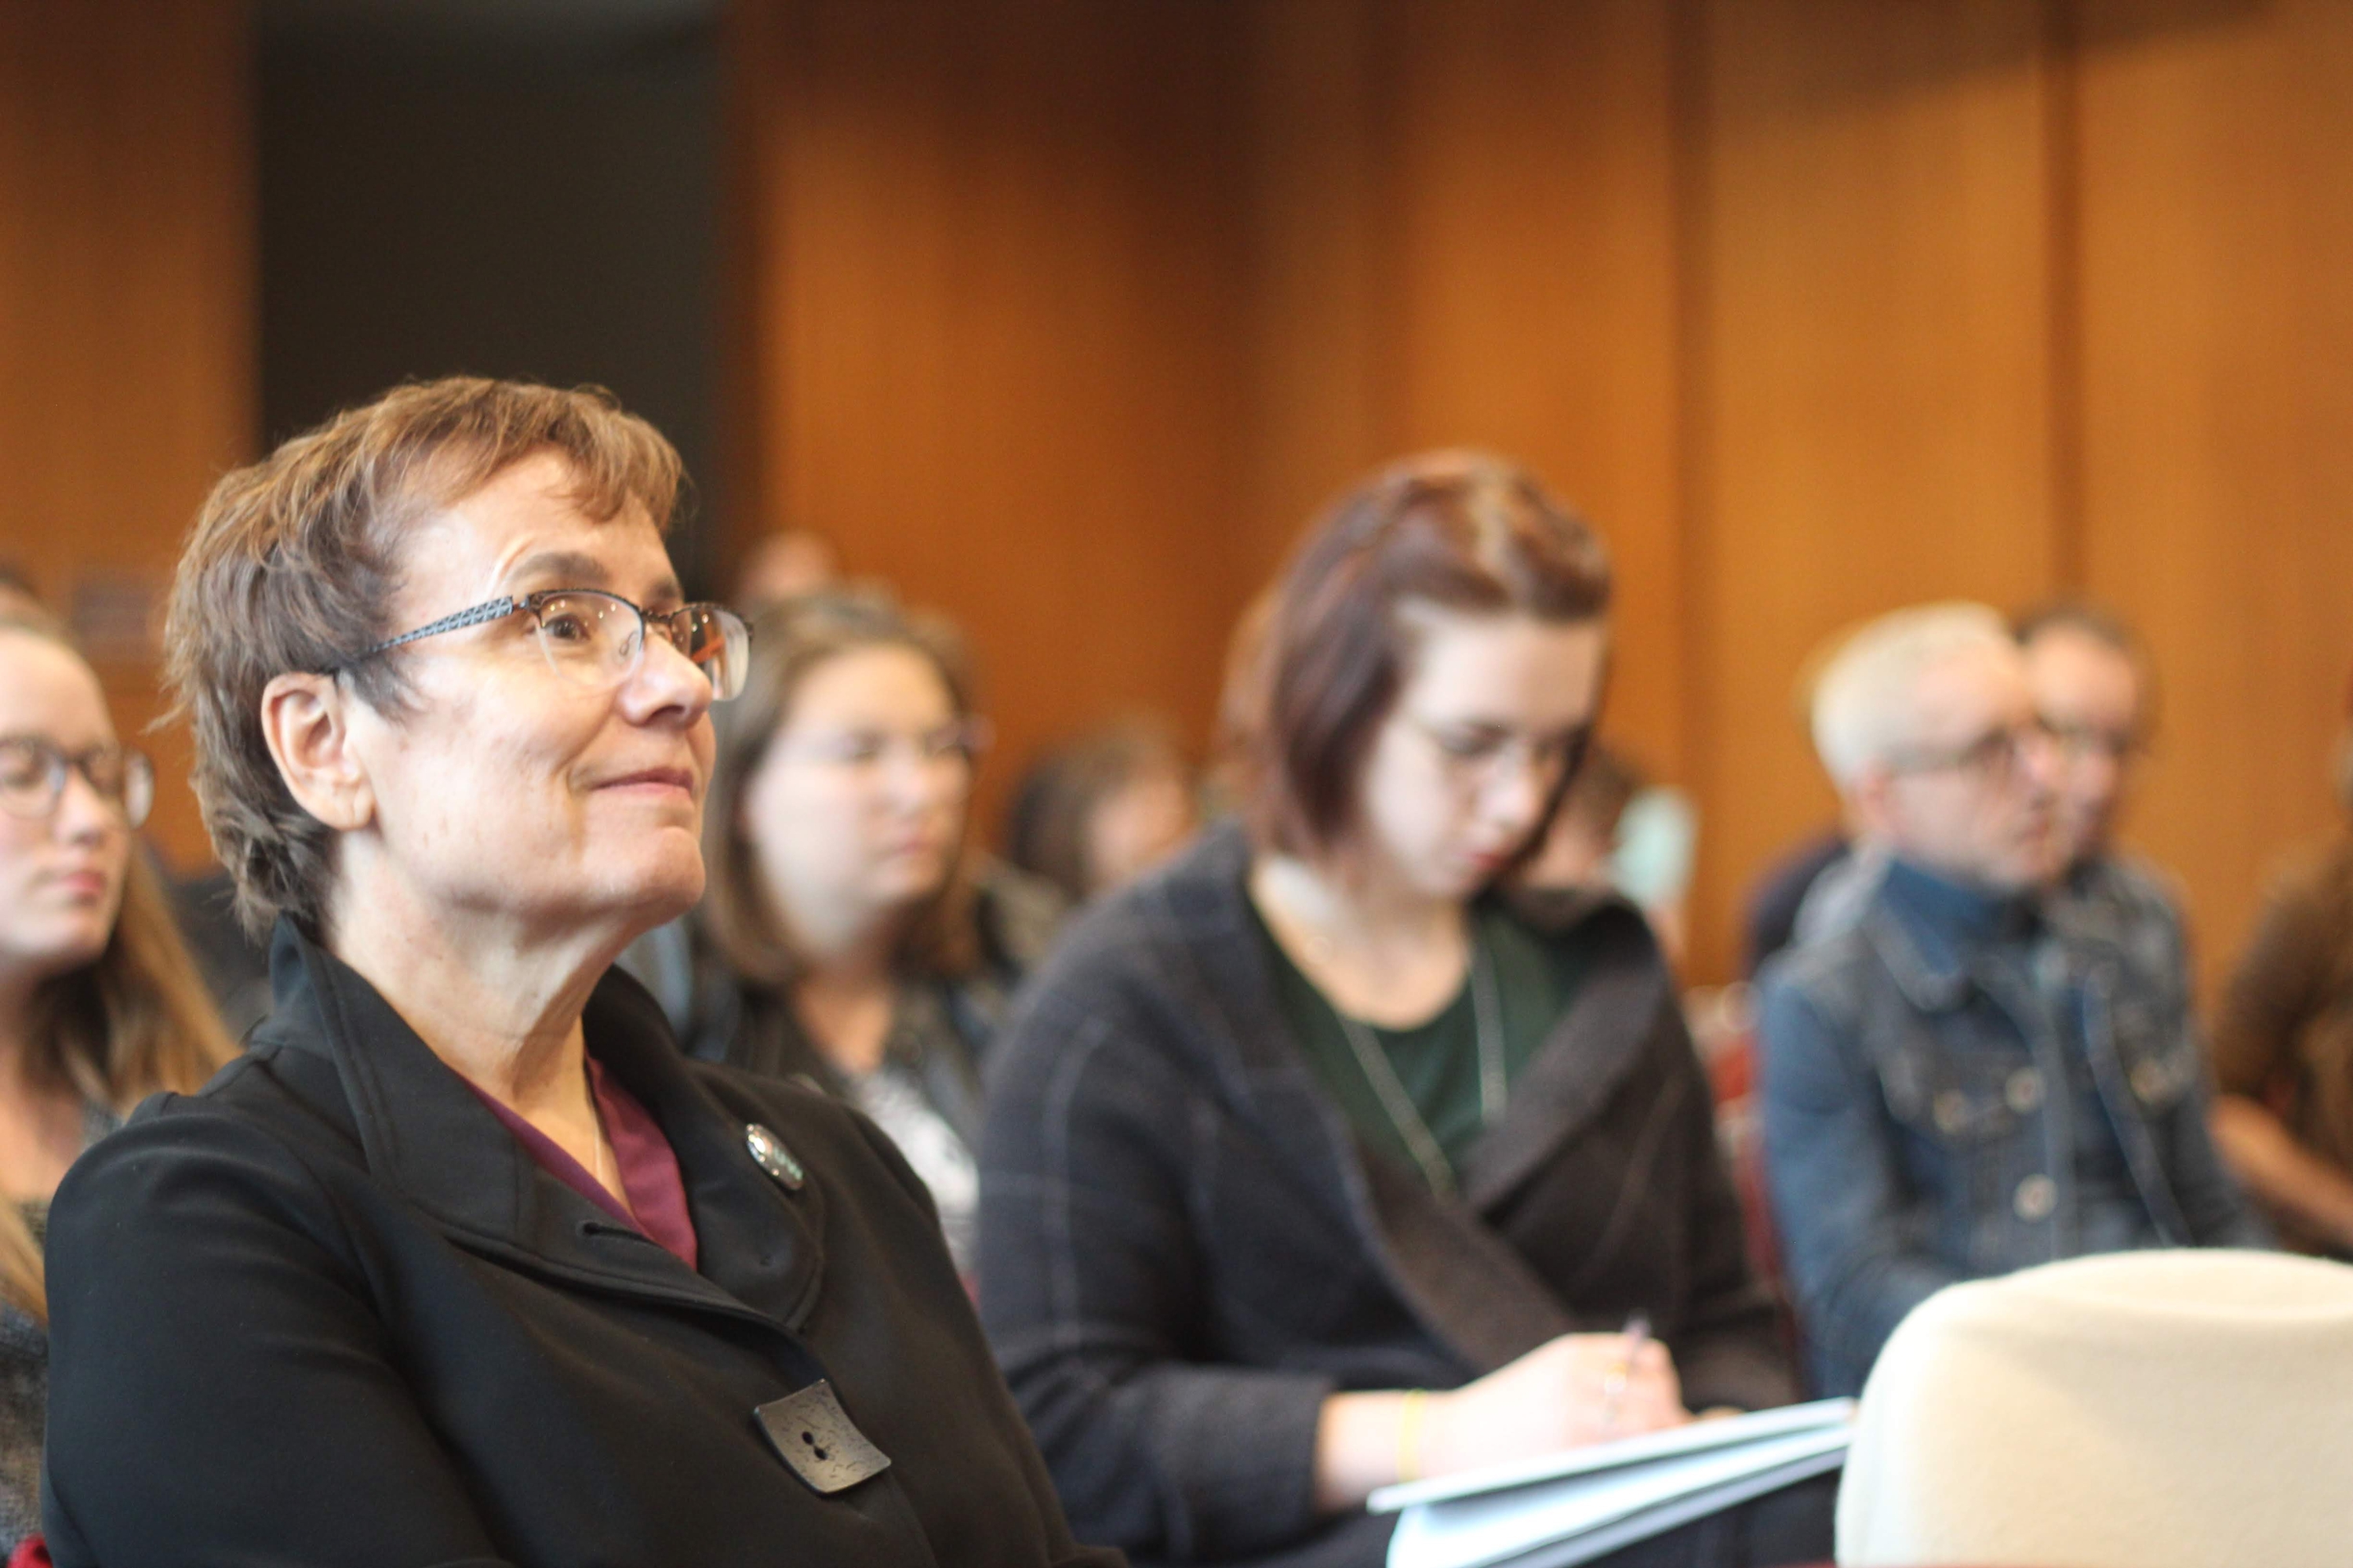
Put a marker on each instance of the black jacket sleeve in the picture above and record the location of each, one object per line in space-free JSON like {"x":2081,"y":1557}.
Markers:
{"x":1095,"y":1296}
{"x":185,"y":1265}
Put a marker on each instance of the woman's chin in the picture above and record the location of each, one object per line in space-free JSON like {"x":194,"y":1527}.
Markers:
{"x":662,"y":890}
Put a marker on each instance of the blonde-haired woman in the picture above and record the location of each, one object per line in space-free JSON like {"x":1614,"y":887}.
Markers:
{"x":99,"y":1005}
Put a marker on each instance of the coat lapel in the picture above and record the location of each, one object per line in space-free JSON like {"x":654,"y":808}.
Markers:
{"x":423,"y":1131}
{"x":1607,"y":1029}
{"x":1470,"y":1288}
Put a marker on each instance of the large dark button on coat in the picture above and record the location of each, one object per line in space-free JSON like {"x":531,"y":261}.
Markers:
{"x":769,"y":1151}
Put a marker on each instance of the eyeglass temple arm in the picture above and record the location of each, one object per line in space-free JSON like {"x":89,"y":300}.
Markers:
{"x":496,"y":609}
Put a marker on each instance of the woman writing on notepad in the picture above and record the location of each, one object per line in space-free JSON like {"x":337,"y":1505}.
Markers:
{"x":1317,"y":1161}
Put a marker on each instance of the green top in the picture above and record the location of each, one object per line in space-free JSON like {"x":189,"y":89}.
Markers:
{"x":1437,"y":1062}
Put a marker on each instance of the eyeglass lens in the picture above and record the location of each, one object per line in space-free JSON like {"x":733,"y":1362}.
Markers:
{"x":33,"y":778}
{"x":596,"y":639}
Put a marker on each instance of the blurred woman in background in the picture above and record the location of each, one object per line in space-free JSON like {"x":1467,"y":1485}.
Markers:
{"x":100,"y":1004}
{"x":1326,"y":1157}
{"x":851,"y":936}
{"x":1094,"y":814}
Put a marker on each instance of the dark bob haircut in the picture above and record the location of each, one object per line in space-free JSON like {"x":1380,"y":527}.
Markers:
{"x":1460,"y":530}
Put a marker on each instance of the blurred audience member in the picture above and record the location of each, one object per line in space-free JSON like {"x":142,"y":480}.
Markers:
{"x":2091,"y":683}
{"x":18,"y":602}
{"x":99,"y":1006}
{"x":850,"y":936}
{"x":2284,"y":1046}
{"x":1972,"y":1074}
{"x":1616,"y":830}
{"x":2092,"y":686}
{"x":785,"y":565}
{"x":1318,"y":1160}
{"x":1770,"y":919}
{"x":1779,"y":896}
{"x":1096,"y":813}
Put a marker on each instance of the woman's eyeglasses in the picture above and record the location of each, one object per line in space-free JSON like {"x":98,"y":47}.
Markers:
{"x":1476,"y":757}
{"x":596,"y":639}
{"x":957,"y":746}
{"x":33,"y":772}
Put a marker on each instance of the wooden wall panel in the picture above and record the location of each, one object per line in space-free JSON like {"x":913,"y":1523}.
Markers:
{"x":2217,"y":320}
{"x":1317,"y":289}
{"x":126,"y":316}
{"x":1463,"y":234}
{"x":1066,"y":317}
{"x":1533,"y":207}
{"x":998,"y":294}
{"x":1871,"y":368}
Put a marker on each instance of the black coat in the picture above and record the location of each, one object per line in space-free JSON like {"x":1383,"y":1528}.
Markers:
{"x":329,"y":1311}
{"x":1185,"y":1250}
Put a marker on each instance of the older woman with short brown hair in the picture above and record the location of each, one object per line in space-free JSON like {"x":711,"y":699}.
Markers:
{"x":464,"y":1263}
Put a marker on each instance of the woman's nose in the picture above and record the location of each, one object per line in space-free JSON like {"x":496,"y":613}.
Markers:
{"x":1517,"y":795}
{"x":81,"y":812}
{"x":666,"y":683}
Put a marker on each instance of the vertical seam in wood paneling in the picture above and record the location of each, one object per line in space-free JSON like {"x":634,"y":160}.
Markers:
{"x":749,"y":234}
{"x":2064,"y":290}
{"x":1385,"y":208}
{"x":1688,"y":111}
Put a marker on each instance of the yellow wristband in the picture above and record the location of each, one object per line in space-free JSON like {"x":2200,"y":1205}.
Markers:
{"x":1408,"y":1455}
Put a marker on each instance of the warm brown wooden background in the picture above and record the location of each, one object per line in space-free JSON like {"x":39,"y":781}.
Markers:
{"x":1063,"y":315}
{"x":1066,"y":315}
{"x":126,"y":318}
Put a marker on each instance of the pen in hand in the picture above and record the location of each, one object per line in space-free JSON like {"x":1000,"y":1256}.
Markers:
{"x":1613,"y":1386}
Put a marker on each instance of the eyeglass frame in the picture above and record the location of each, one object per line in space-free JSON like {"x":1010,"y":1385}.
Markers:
{"x":974,"y":735}
{"x":1475,"y":771}
{"x":57,"y":763}
{"x":505,"y":605}
{"x":2078,"y":741}
{"x":1979,"y":756}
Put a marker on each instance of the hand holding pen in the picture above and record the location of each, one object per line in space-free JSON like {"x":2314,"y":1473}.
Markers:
{"x":1568,"y":1392}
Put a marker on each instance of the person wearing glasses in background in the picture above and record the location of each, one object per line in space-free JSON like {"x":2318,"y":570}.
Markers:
{"x":1980,"y":1068}
{"x":463,"y":1261}
{"x":1326,"y":1156}
{"x":100,"y":1004}
{"x":852,"y":937}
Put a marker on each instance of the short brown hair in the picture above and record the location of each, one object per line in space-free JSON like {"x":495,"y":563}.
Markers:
{"x":789,"y":641}
{"x":294,"y":563}
{"x":1465,"y":531}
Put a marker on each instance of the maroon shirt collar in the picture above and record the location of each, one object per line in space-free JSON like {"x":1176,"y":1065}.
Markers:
{"x":649,"y":1167}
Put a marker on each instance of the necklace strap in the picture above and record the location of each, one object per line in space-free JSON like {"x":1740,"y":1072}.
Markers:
{"x":1404,"y":1116}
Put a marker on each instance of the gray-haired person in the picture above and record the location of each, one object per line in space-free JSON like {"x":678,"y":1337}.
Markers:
{"x":1971,"y":1073}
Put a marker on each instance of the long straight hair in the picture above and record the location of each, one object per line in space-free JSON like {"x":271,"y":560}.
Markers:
{"x":133,"y":1020}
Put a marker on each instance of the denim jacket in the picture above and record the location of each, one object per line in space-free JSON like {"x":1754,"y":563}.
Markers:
{"x":1924,"y":1081}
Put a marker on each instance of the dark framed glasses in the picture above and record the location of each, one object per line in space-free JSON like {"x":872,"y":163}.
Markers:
{"x":596,"y":639}
{"x":33,"y":771}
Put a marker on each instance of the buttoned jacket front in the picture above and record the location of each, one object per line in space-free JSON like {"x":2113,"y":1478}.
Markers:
{"x":330,"y":1311}
{"x":1920,"y":1123}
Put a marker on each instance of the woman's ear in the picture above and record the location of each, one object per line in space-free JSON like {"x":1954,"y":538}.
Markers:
{"x":306,"y":719}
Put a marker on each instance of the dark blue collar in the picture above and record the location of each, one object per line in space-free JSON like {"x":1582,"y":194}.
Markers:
{"x":1964,"y":914}
{"x":1931,"y":929}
